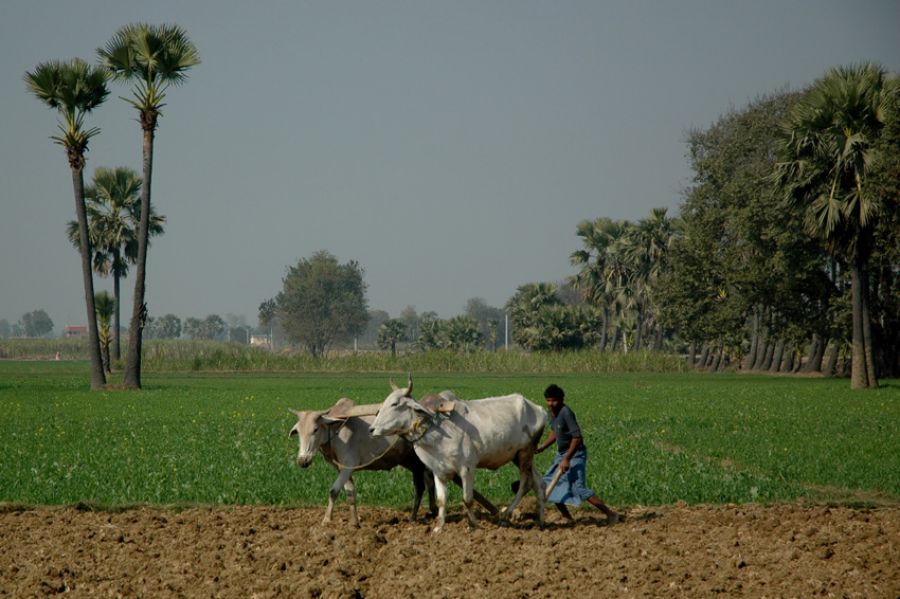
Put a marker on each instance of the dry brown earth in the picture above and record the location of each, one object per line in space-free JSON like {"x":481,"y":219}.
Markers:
{"x":673,"y":551}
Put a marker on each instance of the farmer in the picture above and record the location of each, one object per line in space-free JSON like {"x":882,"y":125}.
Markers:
{"x":571,"y":458}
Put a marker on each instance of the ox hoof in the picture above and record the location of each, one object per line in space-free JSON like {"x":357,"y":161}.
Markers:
{"x":504,"y":523}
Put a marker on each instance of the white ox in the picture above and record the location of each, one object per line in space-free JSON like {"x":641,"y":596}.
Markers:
{"x":454,"y":437}
{"x":341,"y":433}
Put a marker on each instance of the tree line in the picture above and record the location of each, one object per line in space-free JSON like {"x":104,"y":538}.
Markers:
{"x":323,"y":304}
{"x":36,"y":323}
{"x":784,"y":255}
{"x":787,"y":245}
{"x":789,"y":234}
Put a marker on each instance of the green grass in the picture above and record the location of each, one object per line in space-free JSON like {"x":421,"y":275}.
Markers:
{"x":217,"y":356}
{"x":221,"y":438}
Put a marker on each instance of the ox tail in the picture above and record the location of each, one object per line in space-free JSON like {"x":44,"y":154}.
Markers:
{"x":536,"y":437}
{"x":538,"y":433}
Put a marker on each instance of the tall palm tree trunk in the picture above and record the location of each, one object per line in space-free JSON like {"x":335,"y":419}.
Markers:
{"x":716,"y":358}
{"x":859,"y":377}
{"x":138,"y":311}
{"x":831,"y":364}
{"x":762,"y":348}
{"x":98,"y":378}
{"x":117,"y":332}
{"x":704,"y":354}
{"x":816,"y":354}
{"x":754,"y":341}
{"x":866,"y":322}
{"x":789,"y":359}
{"x":605,"y":332}
{"x":639,"y":328}
{"x":777,"y":356}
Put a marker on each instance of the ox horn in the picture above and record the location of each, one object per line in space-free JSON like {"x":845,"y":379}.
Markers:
{"x":294,"y":412}
{"x":393,"y":385}
{"x":409,"y":385}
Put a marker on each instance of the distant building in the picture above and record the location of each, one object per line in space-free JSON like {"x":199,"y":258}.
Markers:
{"x":75,"y":330}
{"x":260,"y":341}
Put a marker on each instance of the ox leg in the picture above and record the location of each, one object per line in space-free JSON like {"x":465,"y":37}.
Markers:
{"x":350,"y":488}
{"x":468,"y":488}
{"x":524,"y":484}
{"x":418,"y":476}
{"x":343,"y":477}
{"x":430,"y":487}
{"x":539,"y":491}
{"x":440,"y":488}
{"x":484,"y":501}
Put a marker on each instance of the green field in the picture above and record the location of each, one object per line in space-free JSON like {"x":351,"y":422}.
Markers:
{"x":653,"y":438}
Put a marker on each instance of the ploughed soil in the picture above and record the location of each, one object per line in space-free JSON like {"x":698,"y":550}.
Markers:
{"x":673,"y":551}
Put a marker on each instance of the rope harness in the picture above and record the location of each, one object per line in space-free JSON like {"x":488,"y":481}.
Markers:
{"x":331,"y":434}
{"x":416,"y":428}
{"x":435,"y":418}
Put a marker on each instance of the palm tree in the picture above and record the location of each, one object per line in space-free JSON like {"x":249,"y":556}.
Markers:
{"x":463,"y":334}
{"x":114,"y":213}
{"x":74,"y":89}
{"x":600,"y":276}
{"x":105,"y":305}
{"x":827,"y":141}
{"x":391,"y":332}
{"x":646,"y":250}
{"x":154,"y":57}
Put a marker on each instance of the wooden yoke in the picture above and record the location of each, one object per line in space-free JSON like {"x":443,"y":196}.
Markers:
{"x":345,"y":408}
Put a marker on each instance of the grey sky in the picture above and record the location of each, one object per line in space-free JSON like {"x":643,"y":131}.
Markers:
{"x":450,"y":147}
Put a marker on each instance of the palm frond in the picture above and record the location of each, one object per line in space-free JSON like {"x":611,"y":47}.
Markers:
{"x":153,"y":56}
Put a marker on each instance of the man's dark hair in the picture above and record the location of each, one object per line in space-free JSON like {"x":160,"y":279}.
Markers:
{"x":555,"y":392}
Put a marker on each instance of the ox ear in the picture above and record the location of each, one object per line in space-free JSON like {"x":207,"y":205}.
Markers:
{"x":448,"y":395}
{"x":438,"y":403}
{"x":329,"y":419}
{"x":419,"y":407}
{"x":446,"y":406}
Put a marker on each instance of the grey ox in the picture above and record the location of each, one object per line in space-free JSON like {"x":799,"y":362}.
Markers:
{"x":341,"y":434}
{"x":454,"y":437}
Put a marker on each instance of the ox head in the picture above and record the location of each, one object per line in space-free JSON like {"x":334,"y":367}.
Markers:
{"x":315,"y":429}
{"x":312,"y":432}
{"x":400,"y":414}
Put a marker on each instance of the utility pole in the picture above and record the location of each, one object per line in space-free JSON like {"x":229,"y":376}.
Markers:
{"x":506,"y":331}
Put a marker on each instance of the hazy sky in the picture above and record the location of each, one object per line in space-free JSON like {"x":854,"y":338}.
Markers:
{"x":450,"y":147}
